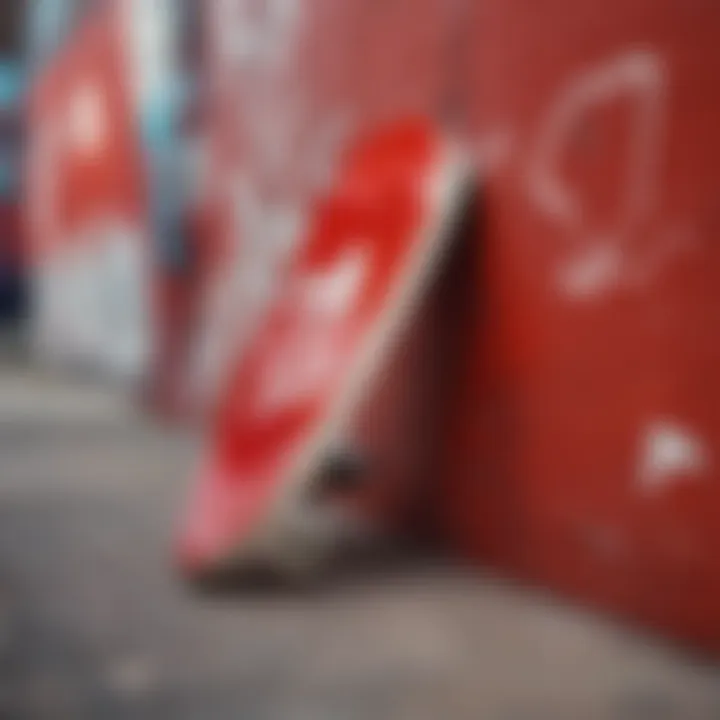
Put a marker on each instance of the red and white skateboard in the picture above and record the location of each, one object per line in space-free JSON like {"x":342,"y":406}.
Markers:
{"x":325,"y":386}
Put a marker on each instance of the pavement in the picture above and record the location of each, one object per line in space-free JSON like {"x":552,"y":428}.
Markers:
{"x":94,"y":623}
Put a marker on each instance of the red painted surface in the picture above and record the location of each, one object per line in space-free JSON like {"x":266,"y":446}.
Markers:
{"x":74,"y":180}
{"x":599,"y":283}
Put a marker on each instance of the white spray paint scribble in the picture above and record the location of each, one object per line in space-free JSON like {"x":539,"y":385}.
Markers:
{"x":670,"y":452}
{"x":639,"y":75}
{"x":604,"y":256}
{"x":597,"y":260}
{"x":591,"y":271}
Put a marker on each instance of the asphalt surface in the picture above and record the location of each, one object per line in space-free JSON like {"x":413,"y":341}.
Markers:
{"x":94,"y":624}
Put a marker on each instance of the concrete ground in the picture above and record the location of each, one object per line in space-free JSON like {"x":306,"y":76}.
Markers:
{"x":94,"y":625}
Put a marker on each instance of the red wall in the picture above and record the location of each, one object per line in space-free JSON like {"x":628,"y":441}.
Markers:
{"x":583,"y":431}
{"x":587,"y":433}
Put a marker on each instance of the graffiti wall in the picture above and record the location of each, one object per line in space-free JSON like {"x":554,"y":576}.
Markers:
{"x":582,"y":421}
{"x":85,"y":209}
{"x":580,"y":443}
{"x":583,"y":446}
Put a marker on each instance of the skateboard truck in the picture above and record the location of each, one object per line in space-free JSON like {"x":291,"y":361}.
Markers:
{"x":343,"y":471}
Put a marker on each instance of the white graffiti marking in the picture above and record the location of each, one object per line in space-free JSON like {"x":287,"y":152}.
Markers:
{"x":594,"y":269}
{"x":603,"y":256}
{"x":670,"y":452}
{"x":639,"y":75}
{"x":596,"y":260}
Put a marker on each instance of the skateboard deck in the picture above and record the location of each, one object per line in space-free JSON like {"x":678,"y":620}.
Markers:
{"x":285,"y":436}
